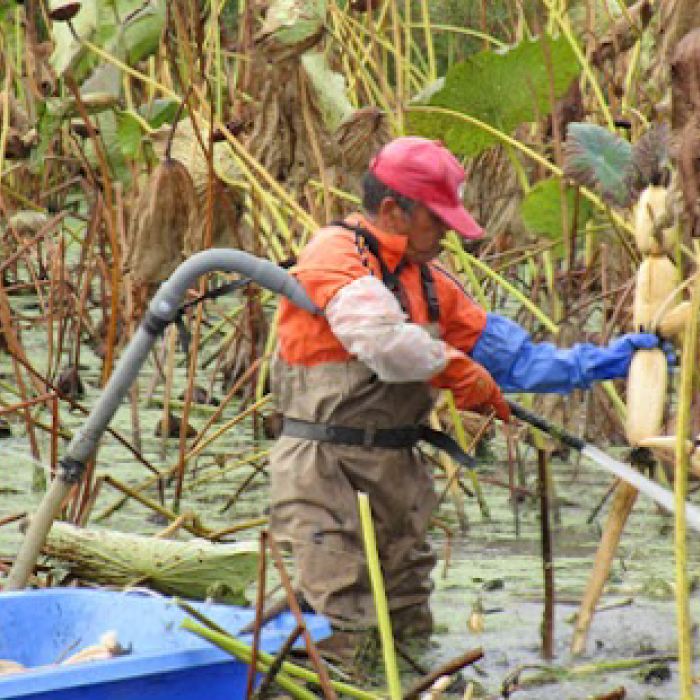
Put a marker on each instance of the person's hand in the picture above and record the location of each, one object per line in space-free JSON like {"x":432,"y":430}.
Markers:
{"x":495,"y":402}
{"x":613,"y":361}
{"x":629,"y":342}
{"x":474,"y":388}
{"x":646,"y":341}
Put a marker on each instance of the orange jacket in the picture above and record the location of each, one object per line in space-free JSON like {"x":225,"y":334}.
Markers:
{"x":332,"y":259}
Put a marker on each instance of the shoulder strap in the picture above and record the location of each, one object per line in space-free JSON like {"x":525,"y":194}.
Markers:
{"x":430,"y":293}
{"x":392,"y":280}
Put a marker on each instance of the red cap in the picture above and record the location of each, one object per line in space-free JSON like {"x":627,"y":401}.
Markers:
{"x":426,"y":171}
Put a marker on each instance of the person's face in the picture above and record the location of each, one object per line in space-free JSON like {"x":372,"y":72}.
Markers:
{"x":424,"y":230}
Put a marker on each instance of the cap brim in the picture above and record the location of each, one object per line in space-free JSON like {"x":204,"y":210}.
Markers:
{"x":458,"y":219}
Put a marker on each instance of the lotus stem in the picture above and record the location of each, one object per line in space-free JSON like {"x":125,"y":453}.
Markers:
{"x":453,"y":245}
{"x":243,"y":652}
{"x":4,"y":127}
{"x":462,"y":440}
{"x":688,"y":361}
{"x":380,"y":601}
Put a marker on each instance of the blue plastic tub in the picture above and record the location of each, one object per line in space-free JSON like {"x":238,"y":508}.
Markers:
{"x":38,"y":628}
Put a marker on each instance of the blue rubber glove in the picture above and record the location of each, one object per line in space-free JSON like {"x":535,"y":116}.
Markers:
{"x":518,"y":364}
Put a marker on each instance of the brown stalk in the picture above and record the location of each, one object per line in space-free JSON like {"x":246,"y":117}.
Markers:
{"x":311,"y":649}
{"x":242,"y":487}
{"x":54,"y":293}
{"x":115,"y":295}
{"x":276,"y":665}
{"x":183,"y":41}
{"x":55,"y":421}
{"x":162,"y":510}
{"x":129,"y":321}
{"x":448,"y":544}
{"x":170,"y":349}
{"x":197,"y":323}
{"x":86,"y":267}
{"x":617,"y":694}
{"x":238,"y":527}
{"x":63,"y":318}
{"x":111,"y":228}
{"x":16,"y":351}
{"x":84,"y":491}
{"x":74,"y":404}
{"x":12,"y":518}
{"x":511,"y":480}
{"x":448,"y":669}
{"x":232,"y":392}
{"x":86,"y":507}
{"x":180,"y":473}
{"x":29,"y":402}
{"x":547,"y":566}
{"x":258,"y":623}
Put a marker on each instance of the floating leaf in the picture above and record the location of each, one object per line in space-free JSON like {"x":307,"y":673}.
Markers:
{"x":502,"y":89}
{"x":542,"y":210}
{"x":599,"y":159}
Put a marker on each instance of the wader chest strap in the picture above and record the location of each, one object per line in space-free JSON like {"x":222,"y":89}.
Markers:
{"x":392,"y":280}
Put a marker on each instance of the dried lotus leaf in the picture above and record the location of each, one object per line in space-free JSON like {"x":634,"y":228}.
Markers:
{"x":165,"y":211}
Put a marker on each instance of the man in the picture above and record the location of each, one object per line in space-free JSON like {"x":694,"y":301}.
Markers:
{"x":396,"y":328}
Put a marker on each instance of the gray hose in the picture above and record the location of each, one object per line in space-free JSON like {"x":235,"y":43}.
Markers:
{"x":161,"y":311}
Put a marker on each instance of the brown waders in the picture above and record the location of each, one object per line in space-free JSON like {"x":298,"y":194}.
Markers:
{"x":314,"y":494}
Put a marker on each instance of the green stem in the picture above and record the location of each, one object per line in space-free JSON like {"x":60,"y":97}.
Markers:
{"x":243,"y":652}
{"x":688,"y":363}
{"x":380,"y":601}
{"x":531,"y":306}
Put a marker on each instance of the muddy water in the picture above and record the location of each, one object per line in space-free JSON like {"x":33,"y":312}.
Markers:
{"x":489,"y":562}
{"x":504,"y":572}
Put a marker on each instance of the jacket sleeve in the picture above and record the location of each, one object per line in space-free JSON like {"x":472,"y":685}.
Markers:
{"x":370,"y":324}
{"x":518,"y":364}
{"x":366,"y":318}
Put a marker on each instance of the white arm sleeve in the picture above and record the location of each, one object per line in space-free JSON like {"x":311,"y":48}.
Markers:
{"x":368,"y":321}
